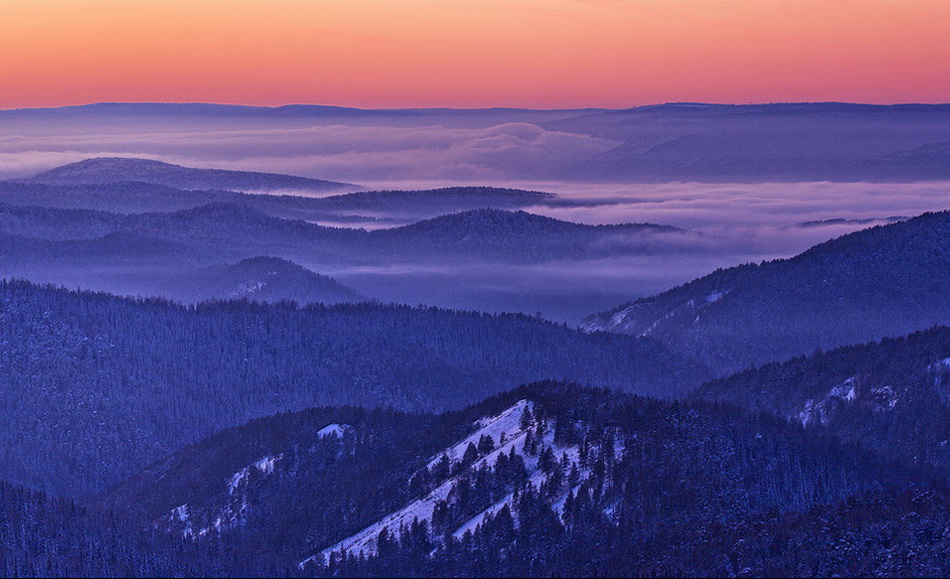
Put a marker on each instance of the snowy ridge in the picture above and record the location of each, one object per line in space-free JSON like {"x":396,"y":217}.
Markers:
{"x":536,"y":479}
{"x":265,"y":466}
{"x":507,"y":423}
{"x":510,"y":431}
{"x":822,"y":410}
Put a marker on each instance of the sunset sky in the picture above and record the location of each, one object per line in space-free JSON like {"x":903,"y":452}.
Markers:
{"x":473,"y":53}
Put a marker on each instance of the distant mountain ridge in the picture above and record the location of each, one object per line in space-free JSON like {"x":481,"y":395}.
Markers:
{"x":784,"y":142}
{"x":290,"y":110}
{"x":756,"y":143}
{"x":129,"y":185}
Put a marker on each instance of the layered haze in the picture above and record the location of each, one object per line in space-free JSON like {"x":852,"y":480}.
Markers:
{"x":740,"y":184}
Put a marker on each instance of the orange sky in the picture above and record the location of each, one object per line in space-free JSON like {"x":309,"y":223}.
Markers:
{"x":473,"y":53}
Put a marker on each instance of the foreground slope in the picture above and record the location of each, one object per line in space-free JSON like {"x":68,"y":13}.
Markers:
{"x":884,"y":281}
{"x":47,"y":536}
{"x":93,"y":386}
{"x":548,"y":478}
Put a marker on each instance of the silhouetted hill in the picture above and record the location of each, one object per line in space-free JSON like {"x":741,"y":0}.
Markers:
{"x":117,"y":169}
{"x":884,"y":281}
{"x":519,"y":236}
{"x":261,"y":279}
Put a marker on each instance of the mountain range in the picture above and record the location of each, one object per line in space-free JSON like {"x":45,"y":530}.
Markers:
{"x":227,"y":395}
{"x":786,"y":142}
{"x":129,"y":185}
{"x":761,"y":143}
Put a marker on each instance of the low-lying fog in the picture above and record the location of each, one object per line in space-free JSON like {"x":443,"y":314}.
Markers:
{"x":726,"y":223}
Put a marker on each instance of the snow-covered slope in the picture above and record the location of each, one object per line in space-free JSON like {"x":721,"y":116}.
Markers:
{"x":515,"y":432}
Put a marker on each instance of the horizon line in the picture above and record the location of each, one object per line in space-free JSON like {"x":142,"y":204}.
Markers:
{"x":473,"y":109}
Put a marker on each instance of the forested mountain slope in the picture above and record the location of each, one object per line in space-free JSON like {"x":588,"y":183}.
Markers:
{"x":892,"y":396}
{"x":547,"y":479}
{"x":884,"y":281}
{"x":95,"y":386}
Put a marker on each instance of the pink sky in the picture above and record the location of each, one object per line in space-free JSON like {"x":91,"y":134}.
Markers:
{"x":466,"y":53}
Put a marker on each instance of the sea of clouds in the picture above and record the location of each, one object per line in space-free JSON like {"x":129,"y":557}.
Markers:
{"x":725,"y":223}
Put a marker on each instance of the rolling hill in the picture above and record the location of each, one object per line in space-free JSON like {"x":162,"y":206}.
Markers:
{"x":105,"y":170}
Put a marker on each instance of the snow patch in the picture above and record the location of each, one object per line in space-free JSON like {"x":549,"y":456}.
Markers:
{"x":181,"y":512}
{"x":334,"y":430}
{"x":236,"y":480}
{"x":885,"y":398}
{"x":248,"y":288}
{"x":845,"y":391}
{"x":507,"y":423}
{"x":940,"y":365}
{"x":265,"y":466}
{"x":715,"y":297}
{"x":821,"y":409}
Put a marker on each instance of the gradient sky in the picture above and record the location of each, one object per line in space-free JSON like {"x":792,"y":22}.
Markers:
{"x":473,"y":53}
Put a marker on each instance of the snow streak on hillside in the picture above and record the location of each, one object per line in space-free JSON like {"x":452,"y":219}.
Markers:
{"x":511,"y":432}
